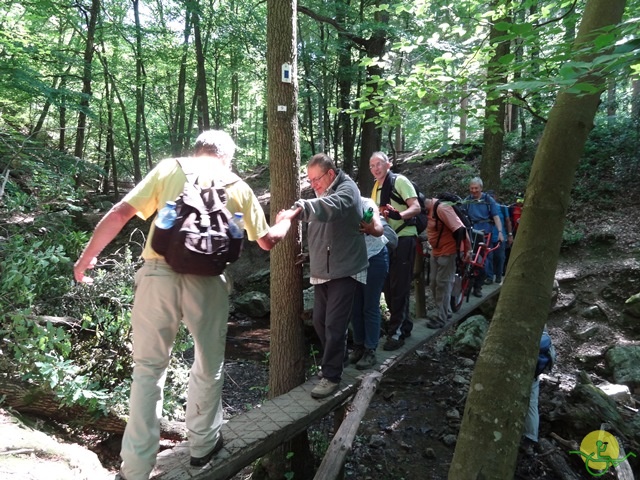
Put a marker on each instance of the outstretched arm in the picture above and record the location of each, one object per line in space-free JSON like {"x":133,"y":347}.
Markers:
{"x":105,"y":231}
{"x":279,"y":230}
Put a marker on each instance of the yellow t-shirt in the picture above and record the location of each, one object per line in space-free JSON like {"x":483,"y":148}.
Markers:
{"x":166,"y":182}
{"x":405,"y":189}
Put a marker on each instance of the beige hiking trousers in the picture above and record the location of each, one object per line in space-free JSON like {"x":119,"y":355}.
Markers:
{"x":164,"y":299}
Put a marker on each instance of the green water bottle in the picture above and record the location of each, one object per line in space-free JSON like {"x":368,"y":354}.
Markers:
{"x":367,"y":216}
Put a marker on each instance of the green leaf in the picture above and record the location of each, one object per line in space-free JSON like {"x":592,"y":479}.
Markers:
{"x":502,"y":26}
{"x":506,"y":59}
{"x":604,"y":40}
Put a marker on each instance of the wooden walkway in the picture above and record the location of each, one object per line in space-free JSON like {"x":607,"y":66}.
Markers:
{"x":255,"y":433}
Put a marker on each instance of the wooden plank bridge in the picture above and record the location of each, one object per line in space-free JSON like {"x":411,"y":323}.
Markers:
{"x":253,"y":434}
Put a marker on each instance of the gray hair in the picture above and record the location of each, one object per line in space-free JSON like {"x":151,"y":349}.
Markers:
{"x":477,"y":181}
{"x":381,"y":155}
{"x":215,"y":143}
{"x":324,"y":161}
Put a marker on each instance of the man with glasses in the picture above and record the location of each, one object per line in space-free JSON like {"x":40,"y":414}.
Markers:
{"x":338,"y":261}
{"x":398,"y":285}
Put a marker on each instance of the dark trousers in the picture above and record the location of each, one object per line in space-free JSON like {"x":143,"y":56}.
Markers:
{"x":332,"y":305}
{"x":397,"y":287}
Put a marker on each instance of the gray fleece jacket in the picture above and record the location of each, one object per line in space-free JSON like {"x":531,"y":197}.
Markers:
{"x":336,"y":247}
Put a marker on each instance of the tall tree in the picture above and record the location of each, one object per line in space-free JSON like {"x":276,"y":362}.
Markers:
{"x":202,"y":97}
{"x":139,"y":88}
{"x":287,"y":354}
{"x":495,"y":106}
{"x":494,"y":415}
{"x":92,"y":22}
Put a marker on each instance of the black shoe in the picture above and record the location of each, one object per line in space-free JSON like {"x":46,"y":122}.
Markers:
{"x":435,"y":324}
{"x":202,"y":461}
{"x":356,"y":354}
{"x":528,"y":447}
{"x":392,"y":344}
{"x":477,"y":292}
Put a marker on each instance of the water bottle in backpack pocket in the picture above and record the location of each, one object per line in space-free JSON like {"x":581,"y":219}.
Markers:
{"x":201,"y":240}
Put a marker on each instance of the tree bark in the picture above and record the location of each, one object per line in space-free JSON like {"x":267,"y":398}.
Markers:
{"x":137,"y":132}
{"x":494,"y":415}
{"x":201,"y":77}
{"x":86,"y":77}
{"x":287,"y":357}
{"x":33,"y":400}
{"x":494,"y":111}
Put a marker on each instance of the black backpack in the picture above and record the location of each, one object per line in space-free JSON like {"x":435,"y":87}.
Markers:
{"x":388,"y":193}
{"x":194,"y":246}
{"x":456,"y":203}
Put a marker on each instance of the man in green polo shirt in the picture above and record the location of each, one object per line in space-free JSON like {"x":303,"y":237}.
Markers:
{"x":398,"y":284}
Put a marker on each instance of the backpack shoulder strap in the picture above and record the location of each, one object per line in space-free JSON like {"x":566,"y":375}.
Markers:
{"x":394,"y":193}
{"x":387,"y":186}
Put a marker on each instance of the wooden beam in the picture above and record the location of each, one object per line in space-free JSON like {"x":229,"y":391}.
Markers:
{"x":342,"y":442}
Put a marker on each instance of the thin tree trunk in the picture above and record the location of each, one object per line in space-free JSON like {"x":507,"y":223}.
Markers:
{"x":494,"y":415}
{"x":201,"y":78}
{"x":464,"y":115}
{"x":135,"y":152}
{"x":494,"y":113}
{"x":178,"y":131}
{"x":287,"y":357}
{"x":371,"y":133}
{"x":86,"y":79}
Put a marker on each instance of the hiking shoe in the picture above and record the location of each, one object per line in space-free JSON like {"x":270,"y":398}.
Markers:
{"x":368,"y":360}
{"x":202,"y":461}
{"x":477,"y":292}
{"x":393,"y":344}
{"x":528,"y":446}
{"x":324,"y":388}
{"x":356,"y":353}
{"x":435,"y":324}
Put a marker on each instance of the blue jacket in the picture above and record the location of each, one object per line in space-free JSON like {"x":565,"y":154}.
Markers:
{"x":337,"y":249}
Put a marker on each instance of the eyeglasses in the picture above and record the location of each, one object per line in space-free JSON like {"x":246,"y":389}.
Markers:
{"x":316,"y":180}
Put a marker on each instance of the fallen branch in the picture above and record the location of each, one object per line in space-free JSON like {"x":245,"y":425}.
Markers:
{"x":557,"y":461}
{"x":343,"y":439}
{"x":33,"y":400}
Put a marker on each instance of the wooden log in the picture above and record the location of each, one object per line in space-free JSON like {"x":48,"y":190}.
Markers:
{"x":342,"y":441}
{"x":59,"y":321}
{"x":34,"y":400}
{"x":557,"y":461}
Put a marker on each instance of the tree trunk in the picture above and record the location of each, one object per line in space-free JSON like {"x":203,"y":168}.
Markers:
{"x":635,"y":99}
{"x":371,"y":133}
{"x":287,"y":357}
{"x":109,"y":160}
{"x":494,"y":415}
{"x":63,"y":118}
{"x":464,"y":115}
{"x":494,"y":112}
{"x":33,"y":400}
{"x":86,"y":78}
{"x":345,"y":76}
{"x":135,"y":152}
{"x":179,"y":138}
{"x":201,"y":77}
